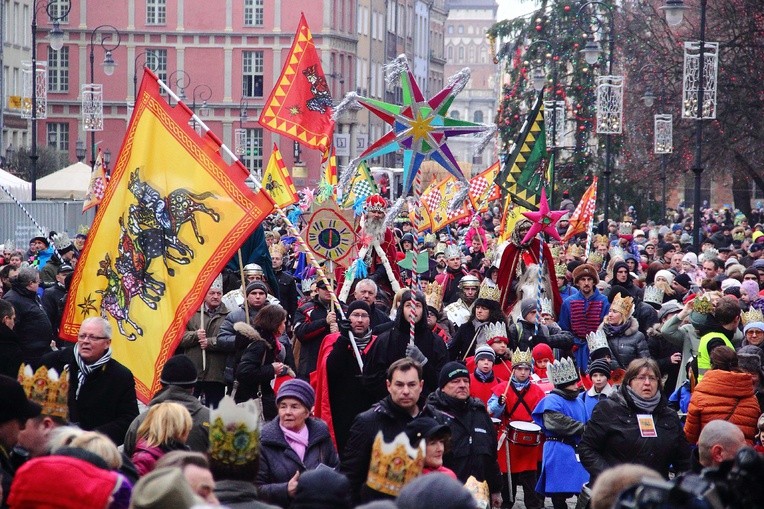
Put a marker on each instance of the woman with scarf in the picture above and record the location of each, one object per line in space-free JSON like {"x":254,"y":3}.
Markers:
{"x":427,"y":349}
{"x":263,"y":359}
{"x":635,"y":425}
{"x":622,"y":331}
{"x":472,"y":333}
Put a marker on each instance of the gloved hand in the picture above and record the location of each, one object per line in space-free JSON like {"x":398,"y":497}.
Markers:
{"x":415,"y":353}
{"x":344,"y":326}
{"x":502,"y":400}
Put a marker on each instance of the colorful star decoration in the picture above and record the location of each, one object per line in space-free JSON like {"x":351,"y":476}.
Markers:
{"x":544,"y":220}
{"x":419,"y":127}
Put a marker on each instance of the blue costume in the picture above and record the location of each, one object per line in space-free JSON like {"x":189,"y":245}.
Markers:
{"x":561,"y":471}
{"x":591,"y":398}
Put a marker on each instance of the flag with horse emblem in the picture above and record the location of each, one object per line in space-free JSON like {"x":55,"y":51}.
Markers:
{"x":436,"y":200}
{"x":173,"y":214}
{"x":277,"y":182}
{"x":300,"y":106}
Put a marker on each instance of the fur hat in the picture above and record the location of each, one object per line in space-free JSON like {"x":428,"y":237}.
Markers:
{"x":749,"y":359}
{"x":585,"y":270}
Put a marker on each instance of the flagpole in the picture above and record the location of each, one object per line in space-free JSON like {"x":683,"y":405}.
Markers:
{"x":280,"y":212}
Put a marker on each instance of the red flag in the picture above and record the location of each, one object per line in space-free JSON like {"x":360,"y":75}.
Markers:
{"x":300,"y":105}
{"x":584,"y":213}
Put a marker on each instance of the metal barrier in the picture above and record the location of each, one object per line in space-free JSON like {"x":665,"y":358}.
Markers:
{"x":16,"y":228}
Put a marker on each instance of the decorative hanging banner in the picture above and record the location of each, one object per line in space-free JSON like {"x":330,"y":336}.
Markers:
{"x":436,"y":200}
{"x":483,"y":188}
{"x":329,"y":233}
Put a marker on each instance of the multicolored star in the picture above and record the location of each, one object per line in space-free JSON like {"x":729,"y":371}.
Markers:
{"x":544,"y":220}
{"x":419,"y":127}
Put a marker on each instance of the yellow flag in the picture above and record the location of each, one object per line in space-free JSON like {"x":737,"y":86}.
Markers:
{"x":173,"y":214}
{"x":277,"y":182}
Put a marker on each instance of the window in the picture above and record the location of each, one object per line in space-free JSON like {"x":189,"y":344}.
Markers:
{"x":483,"y":55}
{"x":461,"y":29}
{"x":478,"y":117}
{"x":253,"y":152}
{"x":254,"y":13}
{"x":455,"y":114}
{"x":59,"y":11}
{"x":58,"y":134}
{"x":157,"y":59}
{"x":450,"y":52}
{"x":58,"y":70}
{"x":156,"y":12}
{"x":450,"y":29}
{"x":252,"y":73}
{"x":461,"y":54}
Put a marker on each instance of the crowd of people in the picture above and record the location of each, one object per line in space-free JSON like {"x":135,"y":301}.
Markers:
{"x":497,"y":374}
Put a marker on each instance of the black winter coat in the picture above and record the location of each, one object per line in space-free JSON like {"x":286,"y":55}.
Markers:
{"x":472,"y":450}
{"x":32,"y":324}
{"x":255,"y":372}
{"x":10,"y":352}
{"x":279,"y":462}
{"x":107,"y":401}
{"x":627,"y":345}
{"x":310,"y":327}
{"x":386,"y":417}
{"x":287,"y":292}
{"x":612,"y":437}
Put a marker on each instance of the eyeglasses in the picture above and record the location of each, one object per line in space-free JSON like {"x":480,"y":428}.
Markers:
{"x":647,"y":378}
{"x":91,"y":337}
{"x":754,"y":332}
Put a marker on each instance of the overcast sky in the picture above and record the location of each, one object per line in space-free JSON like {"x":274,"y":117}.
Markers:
{"x":513,"y":8}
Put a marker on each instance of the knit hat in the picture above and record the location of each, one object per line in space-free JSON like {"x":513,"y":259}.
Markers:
{"x":753,"y":325}
{"x":77,"y":483}
{"x":450,"y":371}
{"x":730,"y":283}
{"x":14,"y":403}
{"x":256,"y":285}
{"x":684,"y":280}
{"x":358,"y":304}
{"x":542,"y":351}
{"x":322,"y":488}
{"x":666,"y":274}
{"x":526,"y":306}
{"x":599,"y":366}
{"x":690,"y":258}
{"x":163,"y":488}
{"x":179,"y":370}
{"x":298,"y":389}
{"x":485,"y":352}
{"x":749,"y":359}
{"x":435,"y":491}
{"x":750,"y":287}
{"x":585,"y":270}
{"x":669,"y":307}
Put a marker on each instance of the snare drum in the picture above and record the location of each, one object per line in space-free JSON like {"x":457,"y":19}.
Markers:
{"x":524,"y":433}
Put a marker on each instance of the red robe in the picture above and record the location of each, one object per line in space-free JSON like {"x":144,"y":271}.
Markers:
{"x":529,"y":254}
{"x":522,"y":458}
{"x":502,"y":369}
{"x":482,"y":390}
{"x":388,"y":245}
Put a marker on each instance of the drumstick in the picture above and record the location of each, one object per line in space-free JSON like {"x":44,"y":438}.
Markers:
{"x":506,"y":389}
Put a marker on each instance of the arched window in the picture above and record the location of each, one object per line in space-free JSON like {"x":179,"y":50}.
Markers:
{"x":478,"y":117}
{"x":450,"y":52}
{"x":455,"y":114}
{"x":461,"y":54}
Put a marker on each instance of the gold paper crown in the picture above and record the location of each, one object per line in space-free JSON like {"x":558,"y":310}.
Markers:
{"x":83,"y":229}
{"x":624,"y":305}
{"x":595,"y":258}
{"x":494,"y":331}
{"x":479,"y":491}
{"x":277,"y":249}
{"x":433,"y":295}
{"x":560,"y":270}
{"x":575,"y":251}
{"x":522,"y":357}
{"x":546,"y":306}
{"x":48,"y":389}
{"x":653,"y":295}
{"x":489,"y":292}
{"x":562,"y":372}
{"x":753,"y":315}
{"x":597,"y":340}
{"x":430,"y":238}
{"x":703,"y":305}
{"x":234,"y":433}
{"x":394,"y":464}
{"x":601,"y":239}
{"x":555,"y":250}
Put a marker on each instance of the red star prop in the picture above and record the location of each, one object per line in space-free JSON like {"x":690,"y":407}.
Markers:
{"x":544,"y":220}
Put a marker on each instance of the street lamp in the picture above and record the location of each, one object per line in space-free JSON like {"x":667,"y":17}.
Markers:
{"x":80,"y":150}
{"x":106,"y":158}
{"x":150,"y":60}
{"x":204,"y":94}
{"x":180,"y":79}
{"x":55,"y":12}
{"x":52,"y":138}
{"x":92,"y":94}
{"x":609,"y":89}
{"x":694,"y":71}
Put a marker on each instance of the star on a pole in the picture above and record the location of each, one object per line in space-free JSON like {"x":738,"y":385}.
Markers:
{"x":544,"y":220}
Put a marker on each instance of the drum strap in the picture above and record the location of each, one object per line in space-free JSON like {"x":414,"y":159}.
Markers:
{"x":519,"y":401}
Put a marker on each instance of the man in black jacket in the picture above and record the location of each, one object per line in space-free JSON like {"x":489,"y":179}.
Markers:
{"x":473,"y":437}
{"x":390,"y":416}
{"x":287,"y":285}
{"x":312,"y":321}
{"x":32,"y":325}
{"x":101,"y":390}
{"x":366,"y":291}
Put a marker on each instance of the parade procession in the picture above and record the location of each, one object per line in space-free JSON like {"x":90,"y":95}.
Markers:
{"x":430,"y":259}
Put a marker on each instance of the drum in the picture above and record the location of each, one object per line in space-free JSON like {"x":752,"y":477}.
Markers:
{"x":524,"y":433}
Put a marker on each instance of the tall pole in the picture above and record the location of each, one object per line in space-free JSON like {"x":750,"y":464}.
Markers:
{"x":697,"y":167}
{"x":33,"y":156}
{"x":92,"y":80}
{"x":608,"y":137}
{"x":663,"y":179}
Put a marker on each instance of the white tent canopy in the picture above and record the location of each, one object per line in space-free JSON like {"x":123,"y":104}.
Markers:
{"x":21,"y":189}
{"x":70,"y":183}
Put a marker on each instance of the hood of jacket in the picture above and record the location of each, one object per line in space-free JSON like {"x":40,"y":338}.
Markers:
{"x":178,"y":395}
{"x":726,"y":383}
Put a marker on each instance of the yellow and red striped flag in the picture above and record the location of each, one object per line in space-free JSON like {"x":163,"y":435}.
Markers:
{"x":584,"y":212}
{"x":483,"y":188}
{"x":277,"y":182}
{"x":173,"y":214}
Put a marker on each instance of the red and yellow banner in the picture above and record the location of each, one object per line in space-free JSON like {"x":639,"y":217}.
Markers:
{"x":97,"y":185}
{"x":483,"y":188}
{"x":173,"y":214}
{"x":583,"y":214}
{"x":300,"y":105}
{"x":436,"y":201}
{"x":277,"y":182}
